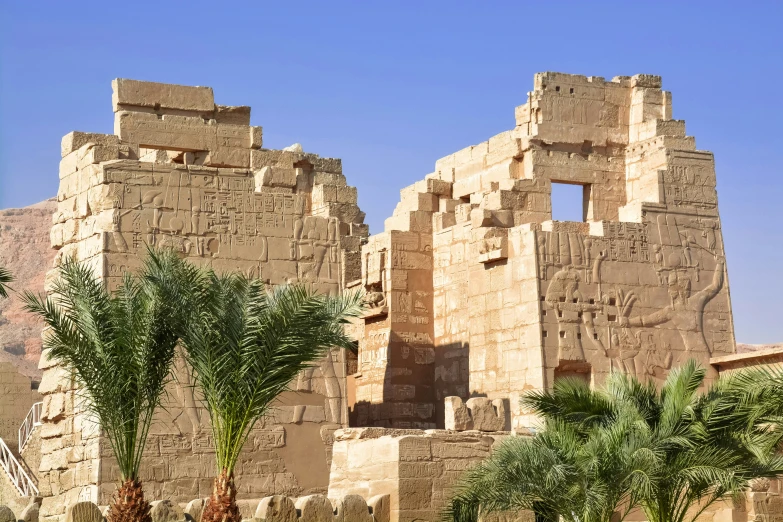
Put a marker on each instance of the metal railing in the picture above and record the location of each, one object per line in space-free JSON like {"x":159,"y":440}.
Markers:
{"x":29,"y":424}
{"x":19,"y":477}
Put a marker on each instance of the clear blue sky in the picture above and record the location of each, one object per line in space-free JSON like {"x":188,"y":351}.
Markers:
{"x":392,"y":86}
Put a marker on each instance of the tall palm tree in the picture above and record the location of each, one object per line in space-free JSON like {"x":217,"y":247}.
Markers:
{"x":699,"y":447}
{"x":245,"y":344}
{"x":5,"y":278}
{"x":119,"y":348}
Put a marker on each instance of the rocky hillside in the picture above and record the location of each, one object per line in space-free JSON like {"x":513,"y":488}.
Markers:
{"x":745,"y":348}
{"x":25,"y":251}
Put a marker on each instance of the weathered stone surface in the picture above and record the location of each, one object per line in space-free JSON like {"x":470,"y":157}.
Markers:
{"x":486,"y":295}
{"x":476,"y":290}
{"x":352,"y":508}
{"x":315,"y":508}
{"x":6,"y":515}
{"x":177,"y":174}
{"x":83,"y":512}
{"x":381,"y":508}
{"x":195,"y":508}
{"x":457,"y":415}
{"x":277,"y":508}
{"x":30,"y":513}
{"x":166,"y":511}
{"x":414,"y":468}
{"x":162,"y":95}
{"x":484,"y":415}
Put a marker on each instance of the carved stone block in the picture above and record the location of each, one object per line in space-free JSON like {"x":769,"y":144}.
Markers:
{"x":83,"y":512}
{"x":277,"y":508}
{"x":484,"y":415}
{"x":457,"y":415}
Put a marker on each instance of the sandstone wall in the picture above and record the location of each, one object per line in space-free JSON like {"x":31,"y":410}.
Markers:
{"x":480,"y":293}
{"x":417,"y":469}
{"x":184,"y":173}
{"x":18,"y":396}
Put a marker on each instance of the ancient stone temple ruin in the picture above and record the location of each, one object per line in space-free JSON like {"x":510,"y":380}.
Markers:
{"x":183,"y":172}
{"x":476,"y":295}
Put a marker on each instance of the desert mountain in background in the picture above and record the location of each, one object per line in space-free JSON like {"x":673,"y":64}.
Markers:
{"x":25,"y":250}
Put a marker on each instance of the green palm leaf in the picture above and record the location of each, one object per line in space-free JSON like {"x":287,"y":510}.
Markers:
{"x":5,"y":278}
{"x":117,"y":346}
{"x":246,"y":343}
{"x":673,"y":451}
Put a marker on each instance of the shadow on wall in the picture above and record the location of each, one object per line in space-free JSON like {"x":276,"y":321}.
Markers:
{"x":416,"y":380}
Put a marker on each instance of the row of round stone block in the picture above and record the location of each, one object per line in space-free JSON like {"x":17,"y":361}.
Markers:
{"x":277,"y":508}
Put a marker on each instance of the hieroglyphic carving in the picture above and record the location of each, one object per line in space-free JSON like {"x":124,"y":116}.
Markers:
{"x":626,"y":340}
{"x":626,"y":242}
{"x":690,"y":186}
{"x":686,"y":310}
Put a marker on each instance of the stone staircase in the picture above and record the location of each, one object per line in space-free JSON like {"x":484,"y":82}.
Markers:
{"x":22,"y":481}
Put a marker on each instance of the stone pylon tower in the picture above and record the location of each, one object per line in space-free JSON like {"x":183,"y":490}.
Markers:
{"x":478,"y":292}
{"x":185,"y":173}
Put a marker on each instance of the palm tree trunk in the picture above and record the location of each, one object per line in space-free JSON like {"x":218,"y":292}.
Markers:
{"x":222,"y":505}
{"x":129,"y":505}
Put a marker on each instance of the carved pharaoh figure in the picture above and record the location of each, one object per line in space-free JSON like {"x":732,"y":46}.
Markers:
{"x":686,"y":310}
{"x":564,"y":297}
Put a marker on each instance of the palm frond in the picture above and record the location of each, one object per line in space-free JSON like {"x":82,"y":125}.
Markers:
{"x":247,"y":343}
{"x":674,"y":451}
{"x":117,"y":346}
{"x":5,"y":278}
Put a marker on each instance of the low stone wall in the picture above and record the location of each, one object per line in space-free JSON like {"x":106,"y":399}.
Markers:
{"x":278,"y":508}
{"x":415,"y":468}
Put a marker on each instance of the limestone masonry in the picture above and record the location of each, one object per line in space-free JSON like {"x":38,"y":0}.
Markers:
{"x":479,"y":293}
{"x":184,"y":173}
{"x":476,"y":295}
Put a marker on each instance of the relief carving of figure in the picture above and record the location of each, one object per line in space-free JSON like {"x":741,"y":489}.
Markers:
{"x":658,"y":264}
{"x":686,"y":310}
{"x":334,"y":394}
{"x":187,"y":397}
{"x":588,"y":256}
{"x":116,"y":228}
{"x":564,"y":297}
{"x":709,"y":233}
{"x":625,"y":347}
{"x":657,"y":362}
{"x":542,"y":254}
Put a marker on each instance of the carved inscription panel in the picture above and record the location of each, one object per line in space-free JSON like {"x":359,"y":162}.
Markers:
{"x":221,"y":218}
{"x":641,"y":298}
{"x":218,"y":218}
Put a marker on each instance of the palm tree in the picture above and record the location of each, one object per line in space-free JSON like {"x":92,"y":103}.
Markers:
{"x":579,"y":474}
{"x":119,"y":348}
{"x":5,"y":278}
{"x":706,"y":448}
{"x":699,"y":448}
{"x":245,"y":344}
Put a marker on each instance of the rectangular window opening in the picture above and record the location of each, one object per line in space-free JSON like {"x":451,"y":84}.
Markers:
{"x":570,"y":202}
